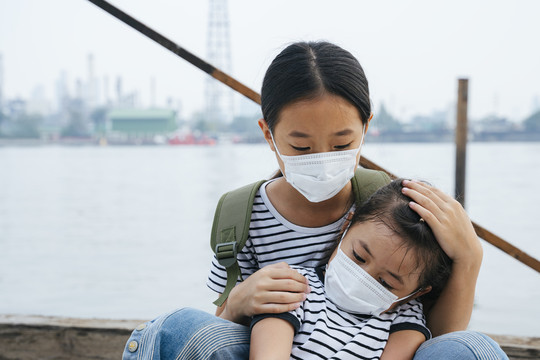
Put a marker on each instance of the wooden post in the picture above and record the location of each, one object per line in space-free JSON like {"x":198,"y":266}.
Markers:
{"x":461,"y":139}
{"x":239,"y":87}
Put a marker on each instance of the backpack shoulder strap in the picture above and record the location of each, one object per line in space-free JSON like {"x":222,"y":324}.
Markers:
{"x":366,"y":181}
{"x":230,"y":230}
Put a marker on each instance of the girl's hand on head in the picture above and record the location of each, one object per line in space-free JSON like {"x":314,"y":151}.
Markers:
{"x":273,"y":289}
{"x":448,"y":220}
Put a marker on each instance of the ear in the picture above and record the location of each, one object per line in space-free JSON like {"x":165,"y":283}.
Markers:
{"x":423,"y":291}
{"x":367,"y":124}
{"x":266,"y":133}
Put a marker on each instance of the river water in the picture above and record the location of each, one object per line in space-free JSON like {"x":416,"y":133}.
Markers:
{"x":122,"y":232}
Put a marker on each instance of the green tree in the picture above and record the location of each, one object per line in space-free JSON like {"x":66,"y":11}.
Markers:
{"x":3,"y":118}
{"x":245,"y":125}
{"x":77,"y":125}
{"x":99,"y":118}
{"x":532,"y":123}
{"x":26,"y":126}
{"x":202,"y":124}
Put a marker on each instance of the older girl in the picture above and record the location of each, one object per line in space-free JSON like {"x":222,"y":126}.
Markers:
{"x":316,"y":111}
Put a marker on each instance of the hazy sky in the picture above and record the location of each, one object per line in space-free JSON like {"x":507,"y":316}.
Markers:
{"x":412,"y":51}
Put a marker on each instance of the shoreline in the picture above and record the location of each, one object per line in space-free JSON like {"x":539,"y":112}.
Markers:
{"x":36,"y":336}
{"x":533,"y":138}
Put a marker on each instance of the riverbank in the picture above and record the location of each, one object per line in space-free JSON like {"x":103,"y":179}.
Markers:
{"x":394,"y":137}
{"x":47,"y":337}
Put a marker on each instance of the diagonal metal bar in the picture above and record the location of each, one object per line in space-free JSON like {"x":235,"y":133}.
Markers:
{"x":251,"y":94}
{"x":175,"y":48}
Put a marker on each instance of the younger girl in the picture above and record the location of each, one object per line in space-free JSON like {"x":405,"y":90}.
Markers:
{"x":316,"y":109}
{"x":363,"y":307}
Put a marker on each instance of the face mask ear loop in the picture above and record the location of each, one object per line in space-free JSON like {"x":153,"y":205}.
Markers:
{"x":341,"y":239}
{"x":411,"y":294}
{"x":363,"y":135}
{"x":403,"y":298}
{"x":344,"y":233}
{"x":275,"y":146}
{"x":358,"y":150}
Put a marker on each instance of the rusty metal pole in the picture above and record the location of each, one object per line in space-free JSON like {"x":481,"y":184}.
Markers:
{"x":234,"y":84}
{"x":461,"y":139}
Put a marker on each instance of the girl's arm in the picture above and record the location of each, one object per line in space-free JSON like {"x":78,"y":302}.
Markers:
{"x":402,"y":345}
{"x":273,"y":289}
{"x":454,"y":232}
{"x":271,"y":338}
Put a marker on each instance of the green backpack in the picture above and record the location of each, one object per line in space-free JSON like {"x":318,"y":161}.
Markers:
{"x":230,"y":228}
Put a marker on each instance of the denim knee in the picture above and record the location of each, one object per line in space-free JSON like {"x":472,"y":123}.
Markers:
{"x":146,"y":338}
{"x":461,"y":345}
{"x":188,"y":334}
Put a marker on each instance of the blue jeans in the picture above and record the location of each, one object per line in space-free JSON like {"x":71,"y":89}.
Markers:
{"x":194,"y":334}
{"x":188,"y":334}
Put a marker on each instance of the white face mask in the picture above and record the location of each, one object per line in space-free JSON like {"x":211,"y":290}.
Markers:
{"x":320,"y":176}
{"x":353,"y":290}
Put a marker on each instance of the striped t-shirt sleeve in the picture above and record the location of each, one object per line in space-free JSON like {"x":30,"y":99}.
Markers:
{"x":410,"y":316}
{"x":273,"y":239}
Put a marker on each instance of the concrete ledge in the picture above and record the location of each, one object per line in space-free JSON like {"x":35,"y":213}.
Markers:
{"x":49,"y":337}
{"x":518,"y":347}
{"x":36,"y":320}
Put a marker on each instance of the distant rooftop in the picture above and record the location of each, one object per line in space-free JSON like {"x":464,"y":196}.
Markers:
{"x":142,"y":122}
{"x":141,"y":114}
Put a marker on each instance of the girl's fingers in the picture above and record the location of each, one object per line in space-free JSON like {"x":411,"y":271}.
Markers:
{"x":425,"y":202}
{"x":283,"y":271}
{"x":283,"y":297}
{"x":278,"y":308}
{"x":437,"y":196}
{"x":288,"y":285}
{"x":425,"y":214}
{"x":280,"y":277}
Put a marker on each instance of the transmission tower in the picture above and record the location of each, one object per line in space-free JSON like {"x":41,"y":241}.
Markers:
{"x":219,"y":98}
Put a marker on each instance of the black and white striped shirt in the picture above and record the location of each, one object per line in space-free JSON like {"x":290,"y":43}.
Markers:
{"x":273,"y":239}
{"x":322,"y":331}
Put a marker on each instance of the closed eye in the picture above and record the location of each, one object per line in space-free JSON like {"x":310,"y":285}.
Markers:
{"x":298,"y":148}
{"x":385,"y":284}
{"x":341,"y":147}
{"x":357,"y":257}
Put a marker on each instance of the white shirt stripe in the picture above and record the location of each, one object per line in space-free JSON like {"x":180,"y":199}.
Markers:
{"x":326,"y":332}
{"x":273,"y":239}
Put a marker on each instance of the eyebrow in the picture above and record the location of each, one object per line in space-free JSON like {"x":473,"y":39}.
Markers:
{"x":395,"y":276}
{"x":300,"y":134}
{"x":344,"y":132}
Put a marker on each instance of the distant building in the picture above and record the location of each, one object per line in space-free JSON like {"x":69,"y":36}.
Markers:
{"x":15,"y":107}
{"x":38,"y":103}
{"x":219,"y":100}
{"x":142,"y":123}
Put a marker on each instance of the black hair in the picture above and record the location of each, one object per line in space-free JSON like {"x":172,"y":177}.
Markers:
{"x":305,"y":70}
{"x":389,"y":206}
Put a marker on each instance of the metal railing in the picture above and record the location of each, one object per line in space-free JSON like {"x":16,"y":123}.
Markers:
{"x":253,"y":95}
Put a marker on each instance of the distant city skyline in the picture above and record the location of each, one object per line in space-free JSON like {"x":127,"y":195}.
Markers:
{"x":95,"y":91}
{"x":412,"y":53}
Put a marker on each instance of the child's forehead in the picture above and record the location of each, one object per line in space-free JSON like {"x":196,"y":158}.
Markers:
{"x":382,"y":242}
